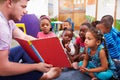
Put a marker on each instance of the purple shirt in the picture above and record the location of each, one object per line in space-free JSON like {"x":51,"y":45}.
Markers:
{"x":6,"y":28}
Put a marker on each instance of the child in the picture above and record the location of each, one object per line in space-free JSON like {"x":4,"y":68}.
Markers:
{"x":66,"y":25}
{"x":80,"y":41}
{"x":67,"y":44}
{"x":97,"y":63}
{"x":45,"y":25}
{"x":112,"y":37}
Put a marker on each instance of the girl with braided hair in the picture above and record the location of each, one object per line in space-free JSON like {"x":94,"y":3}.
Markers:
{"x":97,"y":63}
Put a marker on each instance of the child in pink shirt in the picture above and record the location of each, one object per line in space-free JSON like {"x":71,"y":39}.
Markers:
{"x":45,"y":25}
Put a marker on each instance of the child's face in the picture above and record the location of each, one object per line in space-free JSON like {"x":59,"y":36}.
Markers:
{"x":102,"y":28}
{"x":45,"y":26}
{"x":83,"y":30}
{"x":90,"y":40}
{"x":67,"y":36}
{"x":66,"y":25}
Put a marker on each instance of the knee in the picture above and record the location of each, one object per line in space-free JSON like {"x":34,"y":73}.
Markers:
{"x":104,"y":75}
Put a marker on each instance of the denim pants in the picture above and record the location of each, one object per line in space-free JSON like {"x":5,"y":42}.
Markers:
{"x":17,"y":54}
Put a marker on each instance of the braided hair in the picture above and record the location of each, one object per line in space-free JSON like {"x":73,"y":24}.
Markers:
{"x":99,"y":36}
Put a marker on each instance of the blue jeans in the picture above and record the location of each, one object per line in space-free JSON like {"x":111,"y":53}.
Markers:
{"x":34,"y":75}
{"x":16,"y":54}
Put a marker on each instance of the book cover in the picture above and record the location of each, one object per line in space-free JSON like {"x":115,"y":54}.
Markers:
{"x":48,"y":50}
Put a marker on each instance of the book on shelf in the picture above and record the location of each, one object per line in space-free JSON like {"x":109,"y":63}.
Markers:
{"x":48,"y":50}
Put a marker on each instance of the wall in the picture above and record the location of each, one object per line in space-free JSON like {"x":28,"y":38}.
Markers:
{"x":105,"y":7}
{"x":38,"y":7}
{"x":55,"y":8}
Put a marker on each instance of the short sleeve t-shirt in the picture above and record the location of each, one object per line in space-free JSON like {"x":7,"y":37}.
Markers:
{"x":41,"y":35}
{"x":80,"y":44}
{"x":113,"y":43}
{"x":6,"y":28}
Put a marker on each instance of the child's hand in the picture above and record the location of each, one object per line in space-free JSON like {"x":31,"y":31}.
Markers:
{"x":83,"y":69}
{"x":75,"y":65}
{"x":66,"y":45}
{"x":83,"y":55}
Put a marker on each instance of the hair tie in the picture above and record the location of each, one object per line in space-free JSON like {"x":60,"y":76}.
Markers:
{"x":103,"y":37}
{"x":45,"y":17}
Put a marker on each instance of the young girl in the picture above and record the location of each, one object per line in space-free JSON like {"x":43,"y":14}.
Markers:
{"x":80,"y":41}
{"x":67,"y":44}
{"x":65,"y":25}
{"x":45,"y":25}
{"x":97,"y":63}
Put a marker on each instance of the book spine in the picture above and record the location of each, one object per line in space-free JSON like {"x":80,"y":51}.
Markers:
{"x":36,"y":52}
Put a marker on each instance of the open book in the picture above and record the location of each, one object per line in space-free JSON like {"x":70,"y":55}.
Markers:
{"x":48,"y":50}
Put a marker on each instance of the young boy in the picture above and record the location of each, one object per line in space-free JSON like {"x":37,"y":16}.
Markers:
{"x":67,"y":25}
{"x":112,"y":37}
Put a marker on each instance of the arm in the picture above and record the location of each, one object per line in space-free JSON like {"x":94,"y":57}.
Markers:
{"x":8,"y":68}
{"x":70,"y":48}
{"x":85,"y":61}
{"x":104,"y":63}
{"x":11,"y":68}
{"x":17,"y":33}
{"x":84,"y":64}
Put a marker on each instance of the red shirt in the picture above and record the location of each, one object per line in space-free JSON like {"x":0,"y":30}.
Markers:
{"x":79,"y":43}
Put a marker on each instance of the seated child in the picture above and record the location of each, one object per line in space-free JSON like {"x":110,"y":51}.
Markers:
{"x":111,"y":35}
{"x":80,"y":41}
{"x":67,"y":44}
{"x":66,"y":25}
{"x":45,"y":25}
{"x":97,"y":62}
